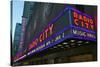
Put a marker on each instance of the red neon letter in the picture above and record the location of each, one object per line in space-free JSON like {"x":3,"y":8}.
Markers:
{"x":75,"y":15}
{"x":87,"y":25}
{"x":84,"y":18}
{"x":92,"y":27}
{"x":76,"y":21}
{"x":80,"y":17}
{"x":51,"y":28}
{"x":41,"y":38}
{"x":46,"y":32}
{"x":91,"y":21}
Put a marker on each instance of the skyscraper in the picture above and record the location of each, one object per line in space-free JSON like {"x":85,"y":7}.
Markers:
{"x":26,"y":14}
{"x":17,"y":37}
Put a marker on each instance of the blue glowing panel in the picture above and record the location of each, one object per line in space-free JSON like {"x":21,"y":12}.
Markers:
{"x":82,"y":25}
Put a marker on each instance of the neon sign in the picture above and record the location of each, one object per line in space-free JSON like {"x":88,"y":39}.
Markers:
{"x":47,"y":33}
{"x":83,"y":21}
{"x":83,"y":33}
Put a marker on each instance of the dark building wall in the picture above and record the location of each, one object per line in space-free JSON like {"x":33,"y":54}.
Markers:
{"x":17,"y":36}
{"x":27,"y":11}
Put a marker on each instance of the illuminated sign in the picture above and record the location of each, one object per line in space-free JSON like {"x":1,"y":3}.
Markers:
{"x":47,"y":33}
{"x":83,"y":21}
{"x":83,"y":34}
{"x":82,"y":25}
{"x":70,"y":23}
{"x":55,"y":26}
{"x":56,"y":38}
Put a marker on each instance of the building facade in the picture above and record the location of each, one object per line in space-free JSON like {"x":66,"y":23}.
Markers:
{"x":26,"y":14}
{"x":17,"y":37}
{"x":60,"y":33}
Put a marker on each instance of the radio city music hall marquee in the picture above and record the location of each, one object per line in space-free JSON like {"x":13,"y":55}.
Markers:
{"x":70,"y":23}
